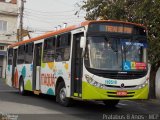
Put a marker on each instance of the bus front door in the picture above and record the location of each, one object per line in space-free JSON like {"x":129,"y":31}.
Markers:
{"x":37,"y":66}
{"x":76,"y":66}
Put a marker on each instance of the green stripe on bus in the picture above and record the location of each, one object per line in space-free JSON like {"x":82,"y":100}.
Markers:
{"x":76,"y":94}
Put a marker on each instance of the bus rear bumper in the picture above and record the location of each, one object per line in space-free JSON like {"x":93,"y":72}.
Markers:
{"x":90,"y":92}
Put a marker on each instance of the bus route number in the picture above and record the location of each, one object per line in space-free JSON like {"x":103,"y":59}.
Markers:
{"x":111,"y":82}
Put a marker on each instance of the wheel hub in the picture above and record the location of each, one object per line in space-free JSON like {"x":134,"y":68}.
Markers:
{"x":21,"y":88}
{"x":63,"y":94}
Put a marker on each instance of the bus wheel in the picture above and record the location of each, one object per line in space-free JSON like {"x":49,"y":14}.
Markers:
{"x":21,"y":87}
{"x":61,"y":95}
{"x":111,"y":103}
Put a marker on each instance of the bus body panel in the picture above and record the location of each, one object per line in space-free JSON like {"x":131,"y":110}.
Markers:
{"x":27,"y":76}
{"x":47,"y":78}
{"x":24,"y":71}
{"x":9,"y":75}
{"x":16,"y":78}
{"x":19,"y":72}
{"x":50,"y":72}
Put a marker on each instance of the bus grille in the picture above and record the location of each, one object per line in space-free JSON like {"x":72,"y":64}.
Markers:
{"x":115,"y":96}
{"x":128,"y":75}
{"x":112,"y":86}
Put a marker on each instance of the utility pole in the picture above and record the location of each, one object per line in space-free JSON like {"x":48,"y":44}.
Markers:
{"x":20,"y":33}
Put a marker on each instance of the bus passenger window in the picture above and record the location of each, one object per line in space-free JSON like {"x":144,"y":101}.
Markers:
{"x":63,"y":47}
{"x":49,"y":49}
{"x":21,"y":54}
{"x":29,"y":53}
{"x":10,"y":56}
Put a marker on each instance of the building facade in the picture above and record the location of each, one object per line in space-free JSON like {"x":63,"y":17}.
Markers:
{"x":8,"y":29}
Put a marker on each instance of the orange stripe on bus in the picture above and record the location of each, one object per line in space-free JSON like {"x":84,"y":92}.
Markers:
{"x":69,"y":29}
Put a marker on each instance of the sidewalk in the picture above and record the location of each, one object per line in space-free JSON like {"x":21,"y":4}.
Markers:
{"x":156,"y":101}
{"x":4,"y":87}
{"x":149,"y":101}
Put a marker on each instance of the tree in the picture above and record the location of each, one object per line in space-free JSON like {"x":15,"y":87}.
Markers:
{"x":145,"y":12}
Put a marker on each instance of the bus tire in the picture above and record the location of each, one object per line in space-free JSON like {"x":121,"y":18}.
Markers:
{"x":21,"y":87}
{"x":61,"y":95}
{"x":110,"y":103}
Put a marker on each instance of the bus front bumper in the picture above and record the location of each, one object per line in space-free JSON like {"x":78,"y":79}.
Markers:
{"x":90,"y":92}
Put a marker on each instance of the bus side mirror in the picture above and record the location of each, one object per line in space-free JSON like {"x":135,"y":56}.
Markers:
{"x":83,"y":44}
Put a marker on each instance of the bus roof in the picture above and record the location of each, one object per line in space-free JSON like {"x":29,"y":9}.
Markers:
{"x":49,"y":34}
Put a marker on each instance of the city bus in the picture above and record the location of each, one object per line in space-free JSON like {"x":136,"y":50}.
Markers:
{"x":102,"y":60}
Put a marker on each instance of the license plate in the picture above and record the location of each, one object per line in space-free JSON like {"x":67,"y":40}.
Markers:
{"x":122,"y":93}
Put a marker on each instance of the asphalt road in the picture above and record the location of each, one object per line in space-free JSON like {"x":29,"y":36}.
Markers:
{"x":33,"y":107}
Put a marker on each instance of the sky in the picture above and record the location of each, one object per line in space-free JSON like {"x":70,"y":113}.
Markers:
{"x":44,"y":15}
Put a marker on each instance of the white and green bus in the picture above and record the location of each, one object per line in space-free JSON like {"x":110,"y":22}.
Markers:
{"x":95,"y":60}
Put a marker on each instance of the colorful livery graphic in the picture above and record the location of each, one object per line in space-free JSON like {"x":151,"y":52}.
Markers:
{"x":95,"y":60}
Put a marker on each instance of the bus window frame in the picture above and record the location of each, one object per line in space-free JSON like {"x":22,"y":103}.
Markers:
{"x":21,"y":52}
{"x":50,"y":39}
{"x":8,"y":57}
{"x":63,"y":48}
{"x":27,"y":52}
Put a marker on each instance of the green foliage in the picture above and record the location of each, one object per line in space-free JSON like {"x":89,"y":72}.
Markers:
{"x":145,"y":12}
{"x":103,"y":8}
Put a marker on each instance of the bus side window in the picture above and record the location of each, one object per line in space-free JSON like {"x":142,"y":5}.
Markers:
{"x":21,"y":54}
{"x":63,"y":47}
{"x":10,"y":56}
{"x":29,"y":53}
{"x":49,"y":49}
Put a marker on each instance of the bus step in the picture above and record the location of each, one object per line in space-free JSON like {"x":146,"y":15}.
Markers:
{"x":37,"y":92}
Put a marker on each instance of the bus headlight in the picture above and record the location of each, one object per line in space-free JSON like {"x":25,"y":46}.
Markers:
{"x":89,"y":79}
{"x":93,"y":82}
{"x":143,"y":85}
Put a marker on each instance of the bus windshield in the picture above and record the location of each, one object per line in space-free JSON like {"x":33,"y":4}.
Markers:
{"x":116,"y":53}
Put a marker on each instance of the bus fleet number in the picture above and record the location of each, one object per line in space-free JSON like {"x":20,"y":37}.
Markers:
{"x":110,"y":82}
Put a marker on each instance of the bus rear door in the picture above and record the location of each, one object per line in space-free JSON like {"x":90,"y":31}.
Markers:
{"x":37,"y":66}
